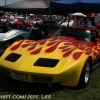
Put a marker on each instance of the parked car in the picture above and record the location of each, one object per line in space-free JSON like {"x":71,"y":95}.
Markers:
{"x":18,"y":22}
{"x":9,"y":35}
{"x":65,"y":22}
{"x":67,"y":58}
{"x":38,"y":20}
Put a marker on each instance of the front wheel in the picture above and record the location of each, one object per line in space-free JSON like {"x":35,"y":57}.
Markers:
{"x":85,"y":74}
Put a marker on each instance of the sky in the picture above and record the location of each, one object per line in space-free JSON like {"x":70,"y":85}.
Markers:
{"x":2,"y":2}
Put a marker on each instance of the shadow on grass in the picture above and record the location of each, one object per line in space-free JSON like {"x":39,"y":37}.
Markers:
{"x":18,"y":87}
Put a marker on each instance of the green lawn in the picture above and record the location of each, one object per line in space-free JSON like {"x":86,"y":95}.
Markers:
{"x":11,"y":87}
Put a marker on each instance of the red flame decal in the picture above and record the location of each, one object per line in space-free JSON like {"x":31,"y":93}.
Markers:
{"x":25,"y":45}
{"x":43,"y":42}
{"x":77,"y":55}
{"x":98,"y":50}
{"x":76,"y":44}
{"x":31,"y":48}
{"x":61,"y":38}
{"x":28,"y":41}
{"x":33,"y":44}
{"x":67,"y":53}
{"x":17,"y":46}
{"x":82,"y":48}
{"x":51,"y":49}
{"x":88,"y":51}
{"x":53,"y":39}
{"x":95,"y":48}
{"x":51,"y":43}
{"x":67,"y":49}
{"x":36,"y":51}
{"x":63,"y":47}
{"x":94,"y":53}
{"x":67,"y":44}
{"x":99,"y":46}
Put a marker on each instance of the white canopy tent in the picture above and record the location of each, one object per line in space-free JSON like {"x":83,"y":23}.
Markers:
{"x":78,"y":14}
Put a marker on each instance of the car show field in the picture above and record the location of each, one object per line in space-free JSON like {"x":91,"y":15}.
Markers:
{"x":31,"y":90}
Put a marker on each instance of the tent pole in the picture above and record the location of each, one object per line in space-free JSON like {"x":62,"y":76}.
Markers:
{"x":5,"y":2}
{"x":68,"y":19}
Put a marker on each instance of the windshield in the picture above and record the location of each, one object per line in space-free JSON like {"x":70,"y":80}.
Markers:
{"x":79,"y":34}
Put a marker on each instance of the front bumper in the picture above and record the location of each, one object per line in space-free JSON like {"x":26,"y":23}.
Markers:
{"x":65,"y":78}
{"x":30,"y":77}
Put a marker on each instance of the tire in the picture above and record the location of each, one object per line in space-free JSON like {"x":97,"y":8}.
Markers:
{"x":85,"y":74}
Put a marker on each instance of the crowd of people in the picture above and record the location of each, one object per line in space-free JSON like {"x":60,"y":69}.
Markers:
{"x":36,"y":29}
{"x":88,"y":24}
{"x":32,"y":28}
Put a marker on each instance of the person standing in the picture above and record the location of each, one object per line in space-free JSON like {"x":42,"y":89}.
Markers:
{"x":37,"y":33}
{"x":89,"y":24}
{"x":25,"y":22}
{"x":10,"y":19}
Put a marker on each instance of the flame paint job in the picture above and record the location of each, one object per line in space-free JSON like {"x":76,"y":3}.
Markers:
{"x":71,"y":54}
{"x":69,"y":44}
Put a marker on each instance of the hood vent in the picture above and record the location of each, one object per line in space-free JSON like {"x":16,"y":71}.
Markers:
{"x":46,"y":62}
{"x":12,"y":57}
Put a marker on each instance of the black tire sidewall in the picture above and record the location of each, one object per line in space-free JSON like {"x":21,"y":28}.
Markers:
{"x":82,"y":83}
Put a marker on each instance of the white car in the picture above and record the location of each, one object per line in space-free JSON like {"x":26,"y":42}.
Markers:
{"x":37,"y":20}
{"x":9,"y":35}
{"x":65,"y":22}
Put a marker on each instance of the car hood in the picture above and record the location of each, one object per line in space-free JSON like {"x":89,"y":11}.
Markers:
{"x":59,"y":44}
{"x":7,"y":35}
{"x":48,"y":53}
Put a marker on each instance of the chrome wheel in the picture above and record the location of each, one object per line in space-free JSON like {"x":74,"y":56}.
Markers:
{"x":87,"y":73}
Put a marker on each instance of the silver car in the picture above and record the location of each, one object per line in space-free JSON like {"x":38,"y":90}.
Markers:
{"x":9,"y":35}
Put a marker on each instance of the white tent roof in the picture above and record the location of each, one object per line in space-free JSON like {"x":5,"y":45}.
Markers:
{"x":78,"y":14}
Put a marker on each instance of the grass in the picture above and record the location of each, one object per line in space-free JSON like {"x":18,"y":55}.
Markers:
{"x":12,"y":87}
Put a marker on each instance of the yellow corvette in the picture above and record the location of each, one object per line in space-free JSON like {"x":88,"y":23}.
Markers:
{"x":68,"y":57}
